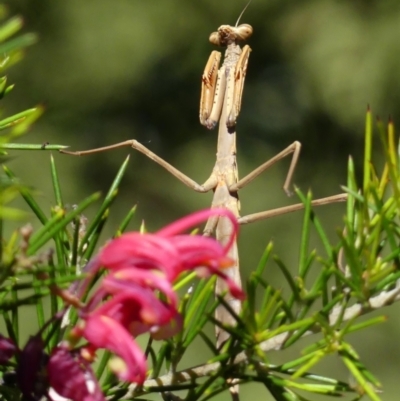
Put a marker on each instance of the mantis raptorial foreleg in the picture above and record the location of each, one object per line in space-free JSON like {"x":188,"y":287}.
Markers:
{"x":210,"y":83}
{"x":228,"y":80}
{"x":239,"y":76}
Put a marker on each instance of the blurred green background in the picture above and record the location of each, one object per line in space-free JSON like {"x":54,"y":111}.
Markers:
{"x":107,"y":71}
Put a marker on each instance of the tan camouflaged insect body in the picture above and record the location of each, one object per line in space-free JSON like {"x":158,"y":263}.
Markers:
{"x":221,"y":96}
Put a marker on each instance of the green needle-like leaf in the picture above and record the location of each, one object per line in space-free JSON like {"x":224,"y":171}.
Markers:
{"x":30,"y":146}
{"x":16,"y":118}
{"x":289,"y":278}
{"x":367,"y":151}
{"x":305,"y":235}
{"x":27,"y":196}
{"x":20,"y":42}
{"x":57,"y":223}
{"x":358,"y":375}
{"x":56,"y":182}
{"x":124,"y":224}
{"x":10,"y":27}
{"x":108,"y":200}
{"x":94,"y":238}
{"x":198,"y":310}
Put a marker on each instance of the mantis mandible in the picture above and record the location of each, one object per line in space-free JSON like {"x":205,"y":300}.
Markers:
{"x":221,"y":97}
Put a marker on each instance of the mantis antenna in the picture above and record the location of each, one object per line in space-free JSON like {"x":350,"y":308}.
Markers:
{"x":241,"y":14}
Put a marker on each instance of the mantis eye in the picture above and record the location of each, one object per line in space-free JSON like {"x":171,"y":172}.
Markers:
{"x":244,"y":31}
{"x":214,"y":39}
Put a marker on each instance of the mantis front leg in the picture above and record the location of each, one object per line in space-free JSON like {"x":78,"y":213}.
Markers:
{"x":216,"y":83}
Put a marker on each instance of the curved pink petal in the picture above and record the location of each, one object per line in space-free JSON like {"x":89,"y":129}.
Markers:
{"x":130,"y":278}
{"x":198,"y":251}
{"x":138,"y":311}
{"x":104,"y":332}
{"x":233,"y":288}
{"x":147,"y":251}
{"x":187,"y":222}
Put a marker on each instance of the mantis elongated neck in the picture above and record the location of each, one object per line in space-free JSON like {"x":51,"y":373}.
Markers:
{"x":226,"y":146}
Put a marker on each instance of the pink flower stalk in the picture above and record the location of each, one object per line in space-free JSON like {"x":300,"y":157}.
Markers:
{"x":139,"y":265}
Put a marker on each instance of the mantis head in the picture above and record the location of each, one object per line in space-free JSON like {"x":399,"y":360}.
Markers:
{"x":227,"y":34}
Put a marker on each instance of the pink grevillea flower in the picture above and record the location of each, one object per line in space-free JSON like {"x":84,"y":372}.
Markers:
{"x":169,"y":254}
{"x":138,"y":265}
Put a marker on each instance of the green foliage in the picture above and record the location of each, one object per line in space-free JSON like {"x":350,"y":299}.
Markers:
{"x":329,"y":291}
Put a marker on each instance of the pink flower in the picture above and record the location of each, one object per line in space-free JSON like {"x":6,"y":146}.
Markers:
{"x":71,"y":377}
{"x":170,"y":254}
{"x":140,"y":265}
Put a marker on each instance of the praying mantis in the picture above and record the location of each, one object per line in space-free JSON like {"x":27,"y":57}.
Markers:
{"x":221,"y":96}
